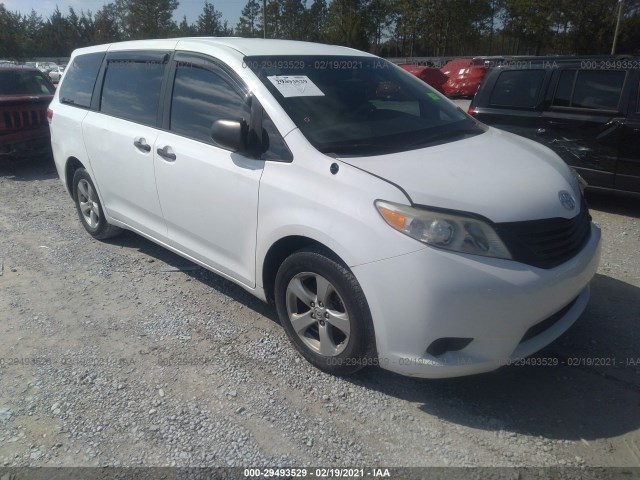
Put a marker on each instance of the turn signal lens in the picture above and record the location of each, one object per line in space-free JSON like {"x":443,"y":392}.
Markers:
{"x":395,"y":219}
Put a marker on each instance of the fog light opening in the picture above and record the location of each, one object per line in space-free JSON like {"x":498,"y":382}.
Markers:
{"x":447,"y":344}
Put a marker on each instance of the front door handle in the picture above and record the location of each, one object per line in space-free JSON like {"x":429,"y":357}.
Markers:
{"x":142,"y":145}
{"x":166,"y":152}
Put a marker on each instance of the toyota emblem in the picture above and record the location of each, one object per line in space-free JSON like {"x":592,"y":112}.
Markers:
{"x":566,"y":199}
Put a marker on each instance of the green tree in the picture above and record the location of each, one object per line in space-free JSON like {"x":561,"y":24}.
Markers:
{"x":317,"y":20}
{"x":345,"y":24}
{"x":209,"y":23}
{"x":292,"y":20}
{"x":58,"y":32}
{"x":147,"y":18}
{"x":106,"y":26}
{"x":629,"y":36}
{"x":273,"y":18}
{"x":11,"y":34}
{"x":32,"y":27}
{"x":592,"y":25}
{"x":378,"y":19}
{"x":185,"y":29}
{"x":249,"y":20}
{"x":530,"y":22}
{"x":85,"y":29}
{"x":409,"y":25}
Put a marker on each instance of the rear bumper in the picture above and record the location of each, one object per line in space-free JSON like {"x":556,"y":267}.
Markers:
{"x":25,"y":143}
{"x":499,"y":305}
{"x":23,"y":136}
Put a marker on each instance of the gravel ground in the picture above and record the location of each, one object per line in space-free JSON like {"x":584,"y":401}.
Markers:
{"x":121,"y":353}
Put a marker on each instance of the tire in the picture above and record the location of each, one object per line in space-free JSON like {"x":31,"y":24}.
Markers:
{"x":89,"y":207}
{"x":333,"y":330}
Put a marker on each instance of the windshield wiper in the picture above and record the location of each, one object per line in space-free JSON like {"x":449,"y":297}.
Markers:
{"x":338,"y":148}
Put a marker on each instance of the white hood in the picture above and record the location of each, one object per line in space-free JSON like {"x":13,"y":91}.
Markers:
{"x":497,"y":174}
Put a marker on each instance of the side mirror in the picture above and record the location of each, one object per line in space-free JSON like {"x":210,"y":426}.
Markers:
{"x":230,"y":134}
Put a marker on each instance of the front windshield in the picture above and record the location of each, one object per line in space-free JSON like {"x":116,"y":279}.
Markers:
{"x":351,"y":106}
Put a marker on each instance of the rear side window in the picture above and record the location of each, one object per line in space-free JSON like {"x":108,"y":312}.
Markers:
{"x":592,"y":89}
{"x":77,"y":87}
{"x":200,"y":97}
{"x":131,"y":90}
{"x":517,"y":88}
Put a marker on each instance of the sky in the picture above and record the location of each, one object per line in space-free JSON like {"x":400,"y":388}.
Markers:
{"x":191,"y":8}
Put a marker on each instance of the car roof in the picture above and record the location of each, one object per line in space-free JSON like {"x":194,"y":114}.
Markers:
{"x":241,"y":46}
{"x":261,"y":46}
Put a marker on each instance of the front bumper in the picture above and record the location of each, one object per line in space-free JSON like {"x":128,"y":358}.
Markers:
{"x":418,"y":298}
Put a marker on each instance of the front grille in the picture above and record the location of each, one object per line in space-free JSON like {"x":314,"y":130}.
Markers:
{"x":546,"y":243}
{"x":22,"y":119}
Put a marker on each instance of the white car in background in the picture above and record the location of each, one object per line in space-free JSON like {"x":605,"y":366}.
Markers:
{"x":388,"y":226}
{"x":55,"y":74}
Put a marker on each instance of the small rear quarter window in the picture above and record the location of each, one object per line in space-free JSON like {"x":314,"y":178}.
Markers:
{"x":78,"y":83}
{"x":517,"y":88}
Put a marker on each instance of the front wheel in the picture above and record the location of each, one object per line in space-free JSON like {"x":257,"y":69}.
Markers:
{"x":89,"y":208}
{"x":324,"y":312}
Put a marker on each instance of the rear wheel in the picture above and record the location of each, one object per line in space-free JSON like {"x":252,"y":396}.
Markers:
{"x":324,"y":312}
{"x":89,"y":208}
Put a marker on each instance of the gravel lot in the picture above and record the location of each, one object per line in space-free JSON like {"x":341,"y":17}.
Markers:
{"x":122,"y":353}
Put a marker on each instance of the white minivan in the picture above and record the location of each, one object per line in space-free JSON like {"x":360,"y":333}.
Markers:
{"x":388,"y":226}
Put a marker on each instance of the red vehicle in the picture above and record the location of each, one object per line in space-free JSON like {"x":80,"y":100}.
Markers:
{"x":25,"y":94}
{"x":431,"y":76}
{"x":465,"y":75}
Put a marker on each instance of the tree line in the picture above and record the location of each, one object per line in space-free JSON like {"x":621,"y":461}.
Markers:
{"x":394,"y":28}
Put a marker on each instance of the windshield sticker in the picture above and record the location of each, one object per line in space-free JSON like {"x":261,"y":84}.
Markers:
{"x":295,"y":86}
{"x":433,"y":96}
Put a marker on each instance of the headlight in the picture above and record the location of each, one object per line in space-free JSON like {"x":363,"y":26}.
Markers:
{"x":444,"y":230}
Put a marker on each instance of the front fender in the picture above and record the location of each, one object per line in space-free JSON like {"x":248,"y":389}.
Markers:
{"x":304,"y":198}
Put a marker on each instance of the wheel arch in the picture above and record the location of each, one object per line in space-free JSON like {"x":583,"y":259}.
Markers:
{"x":279,"y":251}
{"x":72,"y":165}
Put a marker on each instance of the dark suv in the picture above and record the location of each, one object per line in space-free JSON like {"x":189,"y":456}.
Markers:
{"x":586,"y":110}
{"x":25,"y":94}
